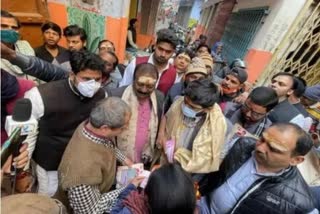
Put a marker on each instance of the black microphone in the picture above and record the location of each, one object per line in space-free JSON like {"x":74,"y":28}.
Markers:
{"x":22,"y":110}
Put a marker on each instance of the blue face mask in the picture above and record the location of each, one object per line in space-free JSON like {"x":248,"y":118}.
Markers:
{"x":317,"y":151}
{"x":9,"y":36}
{"x":188,"y":112}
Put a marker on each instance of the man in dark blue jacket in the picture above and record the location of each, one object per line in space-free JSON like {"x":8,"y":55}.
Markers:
{"x":261,"y":176}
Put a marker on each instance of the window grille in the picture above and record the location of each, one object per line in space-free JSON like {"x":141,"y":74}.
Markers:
{"x":240,"y":31}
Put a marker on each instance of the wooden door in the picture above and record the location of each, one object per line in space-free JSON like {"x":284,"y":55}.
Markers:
{"x":32,"y":14}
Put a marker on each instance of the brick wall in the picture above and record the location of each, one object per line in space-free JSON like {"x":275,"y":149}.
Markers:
{"x":219,"y":20}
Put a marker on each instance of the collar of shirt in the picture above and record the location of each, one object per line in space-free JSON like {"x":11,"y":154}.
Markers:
{"x":267,"y":174}
{"x":72,"y":87}
{"x":95,"y":137}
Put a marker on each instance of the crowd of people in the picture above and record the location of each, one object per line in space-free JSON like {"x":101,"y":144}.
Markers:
{"x":235,"y":149}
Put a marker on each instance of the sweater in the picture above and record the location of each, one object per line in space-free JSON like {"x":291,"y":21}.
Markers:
{"x":85,"y":162}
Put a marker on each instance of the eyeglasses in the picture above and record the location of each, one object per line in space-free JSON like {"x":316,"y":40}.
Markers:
{"x":254,"y":114}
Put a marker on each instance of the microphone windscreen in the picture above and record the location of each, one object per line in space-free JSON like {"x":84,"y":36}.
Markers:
{"x":22,"y":110}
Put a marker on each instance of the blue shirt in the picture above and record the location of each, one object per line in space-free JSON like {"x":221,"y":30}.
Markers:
{"x":224,"y":198}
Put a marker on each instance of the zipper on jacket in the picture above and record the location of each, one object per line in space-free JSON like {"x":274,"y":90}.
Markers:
{"x":247,"y":194}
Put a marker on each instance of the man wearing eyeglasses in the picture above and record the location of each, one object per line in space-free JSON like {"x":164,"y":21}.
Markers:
{"x":252,"y":115}
{"x":260,"y":176}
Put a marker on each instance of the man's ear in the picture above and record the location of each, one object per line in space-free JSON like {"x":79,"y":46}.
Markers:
{"x":71,"y":75}
{"x":296,"y":160}
{"x":290,"y":92}
{"x":84,"y":43}
{"x":104,"y":127}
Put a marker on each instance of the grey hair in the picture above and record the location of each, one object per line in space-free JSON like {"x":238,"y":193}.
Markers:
{"x":110,"y":111}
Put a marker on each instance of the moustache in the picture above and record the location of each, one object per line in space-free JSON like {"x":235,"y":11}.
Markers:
{"x":161,"y":58}
{"x":143,"y":93}
{"x":223,"y":85}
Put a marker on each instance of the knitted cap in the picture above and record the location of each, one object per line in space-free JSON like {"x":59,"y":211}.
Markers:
{"x":207,"y":59}
{"x":313,"y":93}
{"x":240,"y":73}
{"x":197,"y":66}
{"x":31,"y":203}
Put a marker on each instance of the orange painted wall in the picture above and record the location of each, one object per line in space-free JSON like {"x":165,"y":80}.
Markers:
{"x":256,"y":61}
{"x":143,"y":40}
{"x":58,"y":14}
{"x":116,"y":28}
{"x":116,"y":31}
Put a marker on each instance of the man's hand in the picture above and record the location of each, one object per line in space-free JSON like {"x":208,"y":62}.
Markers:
{"x":128,"y":162}
{"x":161,"y":140}
{"x":241,"y":98}
{"x":137,"y":180}
{"x":7,"y":53}
{"x":22,"y":159}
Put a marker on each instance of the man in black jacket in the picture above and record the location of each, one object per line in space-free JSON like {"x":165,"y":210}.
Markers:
{"x":60,"y":106}
{"x":261,"y":176}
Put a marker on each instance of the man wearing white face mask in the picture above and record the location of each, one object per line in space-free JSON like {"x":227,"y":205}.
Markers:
{"x":60,"y":106}
{"x":197,"y":125}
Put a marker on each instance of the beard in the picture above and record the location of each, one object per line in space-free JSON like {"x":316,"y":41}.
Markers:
{"x":160,"y":59}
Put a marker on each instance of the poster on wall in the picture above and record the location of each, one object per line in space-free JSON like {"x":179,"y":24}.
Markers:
{"x":93,"y":24}
{"x":112,"y":8}
{"x":88,"y":5}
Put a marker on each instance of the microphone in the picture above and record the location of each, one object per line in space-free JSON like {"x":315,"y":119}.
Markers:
{"x":18,"y":127}
{"x":22,"y":118}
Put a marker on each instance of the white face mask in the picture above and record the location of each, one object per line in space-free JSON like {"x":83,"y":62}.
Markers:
{"x":88,"y":88}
